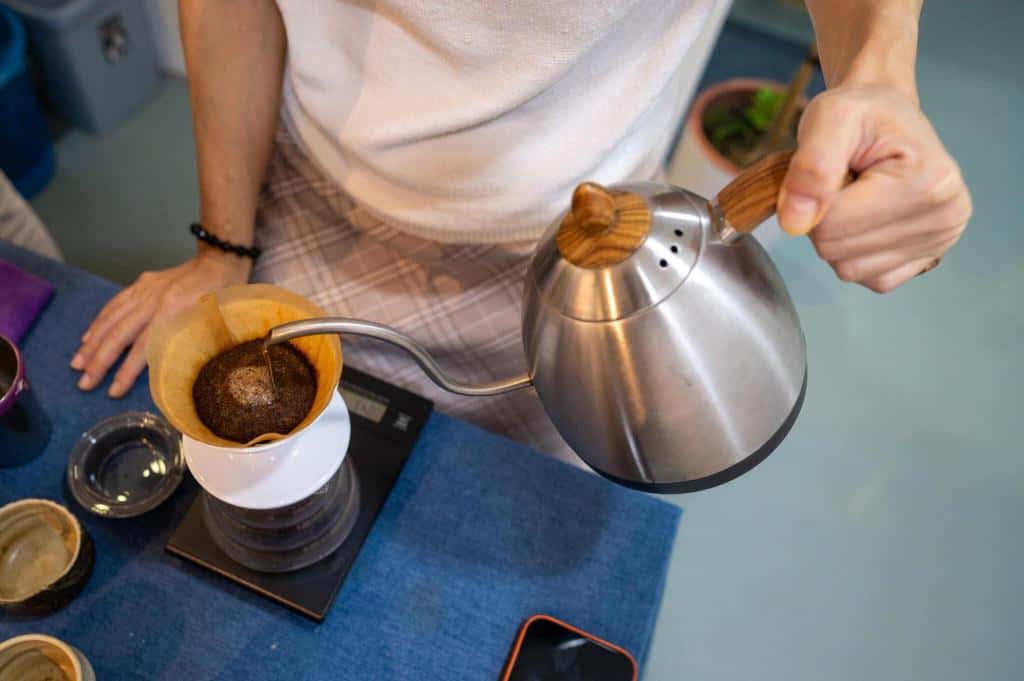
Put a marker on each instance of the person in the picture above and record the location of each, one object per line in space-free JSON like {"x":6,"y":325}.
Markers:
{"x":20,"y":225}
{"x":425,"y":146}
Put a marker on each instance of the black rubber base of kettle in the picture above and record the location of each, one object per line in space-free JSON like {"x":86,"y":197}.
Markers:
{"x":386,"y":422}
{"x":732,"y":472}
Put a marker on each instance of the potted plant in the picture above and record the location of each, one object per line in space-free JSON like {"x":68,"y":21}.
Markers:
{"x":732,"y":125}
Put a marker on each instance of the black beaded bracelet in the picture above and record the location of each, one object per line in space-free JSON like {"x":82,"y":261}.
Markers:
{"x":199,"y":232}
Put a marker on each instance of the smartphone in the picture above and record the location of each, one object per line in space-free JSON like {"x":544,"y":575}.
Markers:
{"x":548,"y":649}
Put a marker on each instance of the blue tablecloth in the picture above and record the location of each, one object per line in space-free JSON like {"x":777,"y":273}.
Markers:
{"x":478,"y":534}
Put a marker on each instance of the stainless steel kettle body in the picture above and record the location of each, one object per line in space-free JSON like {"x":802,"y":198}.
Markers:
{"x":663,"y":345}
{"x":673,"y":374}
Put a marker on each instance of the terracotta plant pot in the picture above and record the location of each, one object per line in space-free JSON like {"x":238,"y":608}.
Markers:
{"x":696,"y":164}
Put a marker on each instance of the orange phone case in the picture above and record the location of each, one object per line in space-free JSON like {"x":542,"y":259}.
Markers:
{"x":514,"y":653}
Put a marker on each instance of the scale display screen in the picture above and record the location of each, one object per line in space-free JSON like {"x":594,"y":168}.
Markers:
{"x":364,"y":403}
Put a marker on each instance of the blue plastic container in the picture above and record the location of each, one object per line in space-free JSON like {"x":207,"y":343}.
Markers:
{"x":26,"y":151}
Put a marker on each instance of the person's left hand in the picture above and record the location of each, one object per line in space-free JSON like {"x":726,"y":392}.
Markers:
{"x":908,"y":204}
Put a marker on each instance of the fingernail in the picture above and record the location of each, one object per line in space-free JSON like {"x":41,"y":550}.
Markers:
{"x":85,"y":382}
{"x":797,"y":213}
{"x":78,"y":362}
{"x":116,"y":389}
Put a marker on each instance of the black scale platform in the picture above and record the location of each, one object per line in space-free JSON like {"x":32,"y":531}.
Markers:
{"x":386,"y":422}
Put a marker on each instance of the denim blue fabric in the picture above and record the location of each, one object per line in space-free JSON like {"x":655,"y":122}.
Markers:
{"x":478,"y":534}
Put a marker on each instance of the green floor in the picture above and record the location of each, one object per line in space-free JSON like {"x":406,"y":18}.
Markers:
{"x":122,"y":203}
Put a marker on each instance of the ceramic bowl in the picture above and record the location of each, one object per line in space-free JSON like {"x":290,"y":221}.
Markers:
{"x":24,"y":427}
{"x":36,"y":657}
{"x":278,"y":473}
{"x":46,"y":556}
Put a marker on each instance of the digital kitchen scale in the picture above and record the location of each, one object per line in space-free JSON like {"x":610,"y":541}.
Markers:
{"x":386,"y":422}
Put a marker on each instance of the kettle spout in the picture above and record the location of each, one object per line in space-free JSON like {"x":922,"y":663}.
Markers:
{"x":358,"y":327}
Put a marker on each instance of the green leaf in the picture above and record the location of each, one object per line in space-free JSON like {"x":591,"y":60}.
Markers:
{"x":764,"y":107}
{"x":722,"y":133}
{"x":727,"y":127}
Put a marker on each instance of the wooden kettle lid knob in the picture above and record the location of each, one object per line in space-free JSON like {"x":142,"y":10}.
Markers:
{"x":593,"y":208}
{"x":604,"y":227}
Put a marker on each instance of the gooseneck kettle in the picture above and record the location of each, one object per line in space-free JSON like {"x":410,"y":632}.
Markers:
{"x":661,"y":341}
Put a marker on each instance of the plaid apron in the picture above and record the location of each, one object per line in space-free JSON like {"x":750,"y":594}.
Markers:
{"x":460,"y":301}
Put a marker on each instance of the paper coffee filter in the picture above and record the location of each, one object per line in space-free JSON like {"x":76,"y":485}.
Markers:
{"x":179,"y":347}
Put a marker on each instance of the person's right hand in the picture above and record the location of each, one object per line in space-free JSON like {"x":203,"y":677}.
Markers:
{"x":125,"y":321}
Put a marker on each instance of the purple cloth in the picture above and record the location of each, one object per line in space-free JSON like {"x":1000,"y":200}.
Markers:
{"x":22,"y":297}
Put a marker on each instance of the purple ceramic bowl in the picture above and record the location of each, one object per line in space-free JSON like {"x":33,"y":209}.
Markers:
{"x":24,"y":427}
{"x":12,"y":375}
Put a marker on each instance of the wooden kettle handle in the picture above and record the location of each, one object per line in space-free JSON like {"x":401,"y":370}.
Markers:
{"x":750,"y":198}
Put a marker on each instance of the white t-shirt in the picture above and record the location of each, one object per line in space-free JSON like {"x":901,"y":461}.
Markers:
{"x":472,"y":120}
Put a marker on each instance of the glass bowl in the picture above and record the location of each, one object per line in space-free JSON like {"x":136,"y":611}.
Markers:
{"x":126,"y":465}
